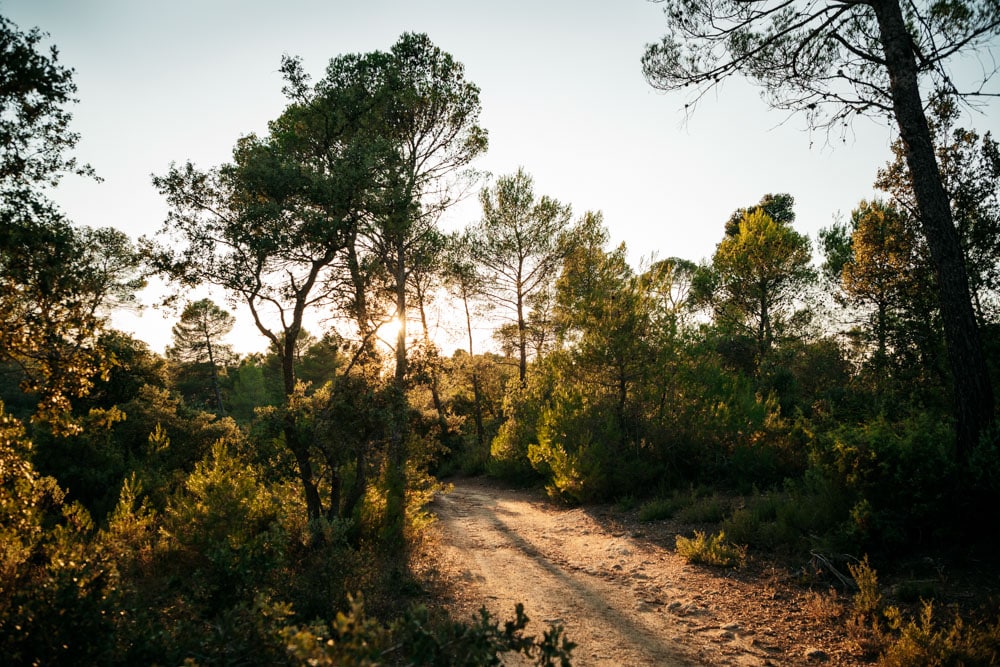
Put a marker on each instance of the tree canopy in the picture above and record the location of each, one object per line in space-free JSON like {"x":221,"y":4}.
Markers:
{"x":833,"y":61}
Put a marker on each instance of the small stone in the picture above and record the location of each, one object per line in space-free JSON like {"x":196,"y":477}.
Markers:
{"x":816,"y":655}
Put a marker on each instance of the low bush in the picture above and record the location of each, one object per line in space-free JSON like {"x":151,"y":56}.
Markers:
{"x":924,"y":641}
{"x":417,"y":638}
{"x":712,"y":509}
{"x":711,"y":550}
{"x":659,"y":509}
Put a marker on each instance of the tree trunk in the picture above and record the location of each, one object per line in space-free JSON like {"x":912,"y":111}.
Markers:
{"x":314,"y":506}
{"x":299,"y":449}
{"x":215,"y":376}
{"x":395,"y":510}
{"x":435,"y":393}
{"x":522,"y":339}
{"x":973,"y":394}
{"x":477,"y":397}
{"x":360,"y":482}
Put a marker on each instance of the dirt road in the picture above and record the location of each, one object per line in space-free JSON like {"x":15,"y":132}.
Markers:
{"x":624,"y":599}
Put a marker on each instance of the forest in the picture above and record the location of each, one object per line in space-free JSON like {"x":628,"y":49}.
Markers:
{"x":203,"y":507}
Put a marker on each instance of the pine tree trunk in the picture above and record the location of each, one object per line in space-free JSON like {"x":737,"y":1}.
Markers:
{"x":477,"y":397}
{"x":973,"y":393}
{"x":435,"y":382}
{"x":395,"y":510}
{"x":522,"y":342}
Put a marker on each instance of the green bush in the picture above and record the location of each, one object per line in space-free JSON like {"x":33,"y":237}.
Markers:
{"x":923,"y":641}
{"x":55,"y":595}
{"x":574,"y":451}
{"x":522,"y":408}
{"x":896,"y":478}
{"x":712,"y":509}
{"x":805,"y":515}
{"x":415,"y":638}
{"x":710,"y":550}
{"x":659,"y":509}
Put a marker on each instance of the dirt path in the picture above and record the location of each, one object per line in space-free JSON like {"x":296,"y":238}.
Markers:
{"x":623,"y":598}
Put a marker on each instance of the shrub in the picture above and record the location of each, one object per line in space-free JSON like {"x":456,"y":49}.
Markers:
{"x":573,"y":452}
{"x":711,"y":550}
{"x":897,"y":479}
{"x":659,"y":509}
{"x":509,"y":449}
{"x":355,"y":639}
{"x":925,"y":642}
{"x":705,"y":510}
{"x":868,"y":598}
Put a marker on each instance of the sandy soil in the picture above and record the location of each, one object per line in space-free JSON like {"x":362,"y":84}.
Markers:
{"x":619,"y":589}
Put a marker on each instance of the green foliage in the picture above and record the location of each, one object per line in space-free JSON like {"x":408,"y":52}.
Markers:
{"x":250,"y":389}
{"x":522,"y":407}
{"x":969,"y":164}
{"x":56,"y":281}
{"x":761,"y":271}
{"x":711,"y":509}
{"x":223,"y":526}
{"x":868,"y":597}
{"x":925,"y":641}
{"x":710,"y":550}
{"x":575,"y":446}
{"x":779,"y":207}
{"x":197,"y":579}
{"x":660,"y":508}
{"x":355,"y":639}
{"x":898,"y":476}
{"x":804,"y":515}
{"x":48,"y":573}
{"x":199,"y":354}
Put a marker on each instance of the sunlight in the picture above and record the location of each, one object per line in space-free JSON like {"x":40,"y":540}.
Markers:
{"x":388,"y":331}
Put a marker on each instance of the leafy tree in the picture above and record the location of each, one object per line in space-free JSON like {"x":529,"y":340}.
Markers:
{"x":197,"y":341}
{"x":268,"y":227}
{"x":55,"y":280}
{"x":760,"y":271}
{"x":35,"y":138}
{"x":879,"y":270}
{"x":517,"y":249}
{"x":970,"y":169}
{"x":465,"y":283}
{"x":604,"y":315}
{"x":779,"y":207}
{"x":426,"y":115}
{"x":838,"y":60}
{"x":57,"y":284}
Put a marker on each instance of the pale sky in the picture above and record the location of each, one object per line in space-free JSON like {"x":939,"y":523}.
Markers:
{"x":562,"y":93}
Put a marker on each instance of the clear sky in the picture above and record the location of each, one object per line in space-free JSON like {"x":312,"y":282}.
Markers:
{"x":562,"y":94}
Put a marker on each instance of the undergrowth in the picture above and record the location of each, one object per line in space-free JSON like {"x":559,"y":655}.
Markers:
{"x":710,"y":550}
